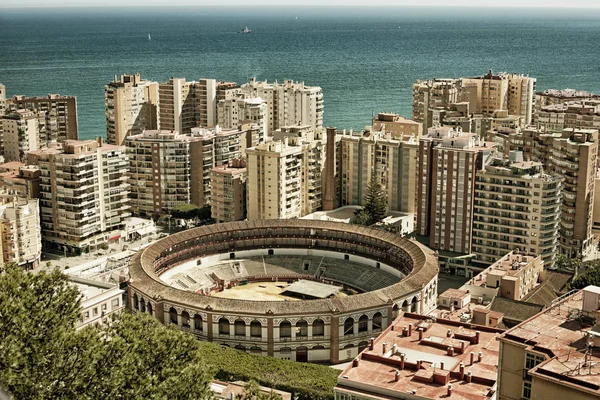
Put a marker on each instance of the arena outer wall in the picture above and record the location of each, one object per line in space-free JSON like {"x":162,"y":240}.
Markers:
{"x":329,"y":330}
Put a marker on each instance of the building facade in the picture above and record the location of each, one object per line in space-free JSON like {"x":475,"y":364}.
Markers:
{"x":84,"y":194}
{"x":516,"y":207}
{"x":399,"y":127}
{"x":21,"y":134}
{"x":228,"y":189}
{"x":448,"y":161}
{"x":20,"y":235}
{"x":131,"y":105}
{"x":234,"y":112}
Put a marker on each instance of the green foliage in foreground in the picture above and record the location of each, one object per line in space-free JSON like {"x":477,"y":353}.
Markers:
{"x":306,"y":381}
{"x":42,"y":356}
{"x":591,"y":276}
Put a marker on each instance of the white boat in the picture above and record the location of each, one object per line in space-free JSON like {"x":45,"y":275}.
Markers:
{"x":245,"y":30}
{"x":149,"y":37}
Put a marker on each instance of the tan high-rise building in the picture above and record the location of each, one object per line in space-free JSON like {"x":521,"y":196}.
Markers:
{"x":20,"y":236}
{"x":574,"y":157}
{"x":165,"y":170}
{"x":218,"y":147}
{"x":448,"y":161}
{"x":84,"y":194}
{"x":433,"y":94}
{"x":206,"y":102}
{"x":392,"y":161}
{"x":58,"y":114}
{"x":584,"y":114}
{"x":233,"y":112}
{"x":555,"y":354}
{"x":399,"y":127}
{"x":228,"y":184}
{"x":131,"y":107}
{"x":21,"y":134}
{"x":553,"y":96}
{"x":288,"y":104}
{"x":517,"y":207}
{"x":285,"y":175}
{"x":2,"y":112}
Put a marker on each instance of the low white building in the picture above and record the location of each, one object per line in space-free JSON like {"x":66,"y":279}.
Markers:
{"x":99,"y":301}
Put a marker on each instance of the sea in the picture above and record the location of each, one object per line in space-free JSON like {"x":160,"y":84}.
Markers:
{"x":365,"y":59}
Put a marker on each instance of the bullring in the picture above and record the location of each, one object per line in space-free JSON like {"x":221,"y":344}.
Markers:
{"x":331,"y":329}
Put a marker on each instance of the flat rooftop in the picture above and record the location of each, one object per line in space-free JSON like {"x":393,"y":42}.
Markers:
{"x":426,"y":361}
{"x":311,"y":289}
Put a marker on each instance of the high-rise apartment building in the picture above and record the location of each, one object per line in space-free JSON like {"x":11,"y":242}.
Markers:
{"x":20,"y":237}
{"x":288,"y":104}
{"x":84,"y":194}
{"x":206,"y":102}
{"x":584,"y":114}
{"x":285,"y":175}
{"x":233,"y":112}
{"x":399,"y":127}
{"x":448,"y":161}
{"x":228,"y":184}
{"x":433,"y":94}
{"x":554,"y":96}
{"x":516,"y":207}
{"x":165,"y":169}
{"x":2,"y":112}
{"x":392,"y":161}
{"x":574,"y":157}
{"x":58,"y":114}
{"x":21,"y":134}
{"x":175,"y":105}
{"x":131,"y":107}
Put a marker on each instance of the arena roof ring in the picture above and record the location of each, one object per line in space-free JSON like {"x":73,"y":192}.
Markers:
{"x":414,"y":265}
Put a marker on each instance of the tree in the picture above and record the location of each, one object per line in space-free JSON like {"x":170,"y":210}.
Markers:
{"x":375,"y":208}
{"x":185,"y":211}
{"x":589,"y":275}
{"x":565,"y":263}
{"x":42,"y":356}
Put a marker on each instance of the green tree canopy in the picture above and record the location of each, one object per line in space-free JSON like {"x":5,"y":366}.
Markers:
{"x":375,"y":208}
{"x":185,"y":211}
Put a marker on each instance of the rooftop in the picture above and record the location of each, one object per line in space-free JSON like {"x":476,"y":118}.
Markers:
{"x":311,"y":289}
{"x":417,"y":353}
{"x":455,"y":294}
{"x":510,"y":265}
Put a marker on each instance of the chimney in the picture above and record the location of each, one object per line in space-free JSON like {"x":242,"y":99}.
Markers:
{"x":449,"y":333}
{"x":469,"y":376}
{"x":442,"y":365}
{"x":462,"y":347}
{"x":477,"y":333}
{"x":450,"y":351}
{"x":462,"y":371}
{"x":479,"y":356}
{"x":419,"y":364}
{"x":410,"y":329}
{"x":394,"y":348}
{"x":420,"y":330}
{"x":472,"y":358}
{"x":355,"y":362}
{"x":405,"y":331}
{"x":402,"y":355}
{"x":384,"y":347}
{"x":371,"y":344}
{"x":396,"y":376}
{"x":449,"y":390}
{"x":329,"y":197}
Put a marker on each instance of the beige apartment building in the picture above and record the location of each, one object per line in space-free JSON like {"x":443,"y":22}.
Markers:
{"x":430,"y":95}
{"x":574,"y":157}
{"x":516,"y":207}
{"x":20,"y":236}
{"x":100,"y":301}
{"x":57,"y":114}
{"x":175,"y":105}
{"x":392,"y":161}
{"x":83,"y":194}
{"x":448,"y":161}
{"x":205,"y":102}
{"x":285,"y":176}
{"x":399,"y":127}
{"x":553,"y":96}
{"x":582,"y":114}
{"x":20,"y":180}
{"x":131,"y":105}
{"x":2,"y":112}
{"x":165,"y":169}
{"x":21,"y":134}
{"x":234,"y":112}
{"x":228,"y":184}
{"x":288,"y":104}
{"x":555,"y":354}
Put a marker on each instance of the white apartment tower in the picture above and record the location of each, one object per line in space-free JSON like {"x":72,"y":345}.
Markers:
{"x":21,"y":134}
{"x":20,"y":236}
{"x":131,"y":105}
{"x":233,"y":112}
{"x":84,"y":194}
{"x":517,"y":207}
{"x":288,"y":104}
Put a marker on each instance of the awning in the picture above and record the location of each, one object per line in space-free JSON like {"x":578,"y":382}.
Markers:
{"x":146,"y":230}
{"x":116,"y":237}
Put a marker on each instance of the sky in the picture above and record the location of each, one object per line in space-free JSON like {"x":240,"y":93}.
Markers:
{"x":296,"y":3}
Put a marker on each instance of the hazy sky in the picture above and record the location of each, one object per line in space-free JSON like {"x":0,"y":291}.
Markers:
{"x":249,"y":3}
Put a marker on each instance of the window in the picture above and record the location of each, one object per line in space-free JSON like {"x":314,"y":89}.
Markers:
{"x":239,"y":327}
{"x":95,"y":311}
{"x":377,"y":321}
{"x":198,"y":322}
{"x":349,"y":326}
{"x":114,"y":303}
{"x":255,"y":329}
{"x":103,"y":307}
{"x":318,"y":327}
{"x":302,"y":328}
{"x":363,"y":324}
{"x":223,"y":326}
{"x":285,"y":329}
{"x":526,"y":390}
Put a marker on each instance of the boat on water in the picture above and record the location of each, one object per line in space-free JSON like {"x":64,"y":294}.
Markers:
{"x":149,"y":37}
{"x":245,"y":30}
